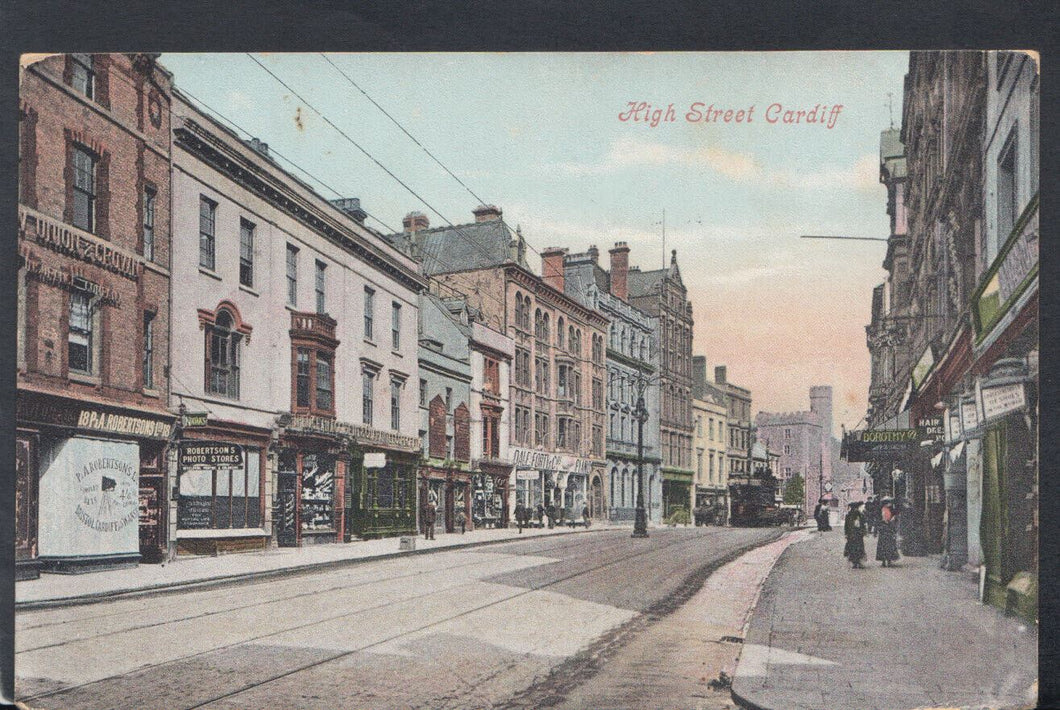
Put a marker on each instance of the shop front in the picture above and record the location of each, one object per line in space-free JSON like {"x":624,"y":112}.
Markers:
{"x":676,"y":491}
{"x":90,"y":491}
{"x":546,"y":479}
{"x":489,"y":495}
{"x":447,"y":489}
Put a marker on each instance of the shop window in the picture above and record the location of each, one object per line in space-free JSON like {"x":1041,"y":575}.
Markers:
{"x":246,"y":253}
{"x":318,"y":493}
{"x":84,"y":189}
{"x":83,"y":75}
{"x":149,"y":223}
{"x":207,"y":232}
{"x":83,"y":338}
{"x":222,"y":355}
{"x":221,"y":498}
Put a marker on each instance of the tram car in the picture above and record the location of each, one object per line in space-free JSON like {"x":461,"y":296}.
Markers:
{"x":754,"y":500}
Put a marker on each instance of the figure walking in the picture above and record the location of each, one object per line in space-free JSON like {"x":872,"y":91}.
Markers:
{"x":820,"y":514}
{"x":585,"y":515}
{"x":429,"y":516}
{"x":520,"y":511}
{"x":887,"y":543}
{"x":540,"y":515}
{"x":551,"y":516}
{"x":461,"y":520}
{"x":854,"y":529}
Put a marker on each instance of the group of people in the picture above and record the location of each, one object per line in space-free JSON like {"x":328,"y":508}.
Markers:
{"x":881,"y":519}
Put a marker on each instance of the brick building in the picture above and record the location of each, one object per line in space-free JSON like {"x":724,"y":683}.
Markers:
{"x":93,"y":312}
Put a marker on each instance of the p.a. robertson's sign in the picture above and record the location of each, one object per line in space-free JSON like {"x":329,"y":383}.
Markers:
{"x":202,"y":454}
{"x":41,"y":409}
{"x":880,"y":444}
{"x":65,"y":239}
{"x":123,"y":424}
{"x":358,"y":433}
{"x":542,"y":461}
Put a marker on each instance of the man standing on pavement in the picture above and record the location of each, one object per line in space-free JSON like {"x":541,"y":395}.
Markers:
{"x":520,"y":511}
{"x":854,"y":529}
{"x":429,"y":516}
{"x":461,"y":520}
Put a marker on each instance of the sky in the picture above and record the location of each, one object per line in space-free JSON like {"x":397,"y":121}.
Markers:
{"x":556,"y":142}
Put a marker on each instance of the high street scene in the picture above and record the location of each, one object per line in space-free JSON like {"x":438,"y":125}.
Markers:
{"x":679,"y":380}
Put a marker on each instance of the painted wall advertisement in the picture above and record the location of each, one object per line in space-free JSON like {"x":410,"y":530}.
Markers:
{"x":89,"y":499}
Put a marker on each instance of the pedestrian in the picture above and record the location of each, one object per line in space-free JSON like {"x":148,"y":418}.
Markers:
{"x":820,"y":515}
{"x":429,"y":516}
{"x":461,"y":520}
{"x":854,"y":530}
{"x":551,"y":512}
{"x":887,"y":543}
{"x":585,"y":515}
{"x":520,"y":511}
{"x":872,"y":515}
{"x":540,"y":515}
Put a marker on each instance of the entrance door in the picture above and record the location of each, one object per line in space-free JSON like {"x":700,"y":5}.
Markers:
{"x":152,"y":518}
{"x":596,"y":504}
{"x":287,"y":509}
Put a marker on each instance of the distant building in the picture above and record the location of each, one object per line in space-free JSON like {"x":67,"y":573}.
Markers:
{"x":710,"y":439}
{"x":738,"y":406}
{"x":804,"y":442}
{"x":632,"y":352}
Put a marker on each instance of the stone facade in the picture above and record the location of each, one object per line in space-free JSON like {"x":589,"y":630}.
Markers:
{"x":710,"y":441}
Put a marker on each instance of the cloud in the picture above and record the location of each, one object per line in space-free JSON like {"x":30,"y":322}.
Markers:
{"x":630,"y":152}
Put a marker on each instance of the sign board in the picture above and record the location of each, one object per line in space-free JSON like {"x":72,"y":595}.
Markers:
{"x":880,"y":444}
{"x":191,"y":420}
{"x":542,"y":461}
{"x":375,"y":459}
{"x":527,"y":475}
{"x":999,"y":401}
{"x":969,"y":416}
{"x":932,"y":429}
{"x":209,"y":454}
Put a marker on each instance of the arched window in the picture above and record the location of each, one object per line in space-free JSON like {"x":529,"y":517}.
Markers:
{"x":559,"y":333}
{"x":223,"y":356}
{"x":518,"y":309}
{"x":570,"y":336}
{"x":544,"y":327}
{"x":537,"y":323}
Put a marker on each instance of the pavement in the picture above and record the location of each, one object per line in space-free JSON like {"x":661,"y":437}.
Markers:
{"x":824,"y":636}
{"x":183,"y":573}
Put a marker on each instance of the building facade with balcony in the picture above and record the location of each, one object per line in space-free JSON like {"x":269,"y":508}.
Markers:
{"x":662,"y":294}
{"x":631,"y":356}
{"x":93,"y":426}
{"x":298,"y":358}
{"x":557,"y":432}
{"x":710,"y":444}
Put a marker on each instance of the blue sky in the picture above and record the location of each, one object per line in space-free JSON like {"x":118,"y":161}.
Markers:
{"x":539,"y":135}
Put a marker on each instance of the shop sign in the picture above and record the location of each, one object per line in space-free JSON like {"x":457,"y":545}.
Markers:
{"x":932,"y":428}
{"x":880,"y":444}
{"x":375,"y":459}
{"x":193,"y":420}
{"x":210,"y":455}
{"x":527,"y":475}
{"x":954,"y":421}
{"x":70,"y":241}
{"x":999,"y":401}
{"x":358,"y":433}
{"x":969,"y":416}
{"x":1015,"y":267}
{"x":130,"y":425}
{"x":542,"y":461}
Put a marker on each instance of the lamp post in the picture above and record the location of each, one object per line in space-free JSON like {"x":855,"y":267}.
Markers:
{"x":640,"y":519}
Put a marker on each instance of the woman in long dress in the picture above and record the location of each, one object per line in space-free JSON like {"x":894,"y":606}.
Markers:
{"x":854,"y":529}
{"x":887,"y":542}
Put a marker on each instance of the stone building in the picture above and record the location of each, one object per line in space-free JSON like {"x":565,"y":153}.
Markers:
{"x":740,"y":427}
{"x":557,"y":432}
{"x":662,"y":294}
{"x":92,"y":344}
{"x":631,"y":355}
{"x":299,"y":351}
{"x":710,"y":440}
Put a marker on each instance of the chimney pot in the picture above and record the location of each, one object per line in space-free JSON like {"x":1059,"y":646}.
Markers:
{"x":486,"y":213}
{"x":619,"y":278}
{"x":414,"y":222}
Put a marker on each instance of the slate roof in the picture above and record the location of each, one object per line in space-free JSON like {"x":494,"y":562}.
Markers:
{"x":641,"y":283}
{"x":465,"y":247}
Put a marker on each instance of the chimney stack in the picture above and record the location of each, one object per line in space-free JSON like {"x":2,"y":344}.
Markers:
{"x":414,"y":222}
{"x":620,"y":271}
{"x":719,"y":374}
{"x":594,"y":254}
{"x":352,"y":207}
{"x":552,"y":267}
{"x":486,"y":213}
{"x":699,"y":372}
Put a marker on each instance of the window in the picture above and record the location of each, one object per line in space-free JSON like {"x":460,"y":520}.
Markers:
{"x":149,"y":223}
{"x":223,"y":357}
{"x":1007,"y":206}
{"x":221,"y":497}
{"x":787,"y":433}
{"x":84,"y":75}
{"x":321,"y":280}
{"x":395,"y":326}
{"x":369,"y":312}
{"x":292,"y":275}
{"x":302,"y":378}
{"x":80,"y":339}
{"x":448,"y":399}
{"x":598,"y":394}
{"x":561,"y":384}
{"x":149,"y":350}
{"x":246,"y":253}
{"x":324,"y":382}
{"x":84,"y":189}
{"x":423,"y":393}
{"x":207,"y":227}
{"x":491,"y":376}
{"x":368,"y":381}
{"x":559,"y":334}
{"x":395,"y":405}
{"x":787,"y":448}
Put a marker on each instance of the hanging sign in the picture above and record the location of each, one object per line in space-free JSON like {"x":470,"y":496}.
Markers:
{"x":932,"y":429}
{"x":193,"y":420}
{"x":880,"y":444}
{"x":209,"y":454}
{"x":999,"y":401}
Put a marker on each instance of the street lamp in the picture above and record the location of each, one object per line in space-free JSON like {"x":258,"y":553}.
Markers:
{"x":640,"y":519}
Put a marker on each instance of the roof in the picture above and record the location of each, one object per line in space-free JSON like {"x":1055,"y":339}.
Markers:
{"x":642,"y":283}
{"x":462,"y":247}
